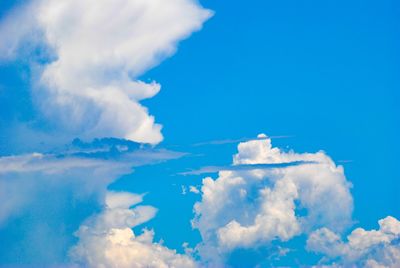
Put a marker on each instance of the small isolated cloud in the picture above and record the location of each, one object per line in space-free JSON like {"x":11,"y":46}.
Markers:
{"x":107,"y":240}
{"x":375,"y":248}
{"x":191,"y":189}
{"x":194,"y":189}
{"x":184,"y":190}
{"x":86,"y":57}
{"x":251,"y":208}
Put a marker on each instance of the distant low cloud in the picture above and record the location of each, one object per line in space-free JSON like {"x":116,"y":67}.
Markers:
{"x":373,"y":249}
{"x":107,"y":239}
{"x":86,"y":57}
{"x":250,"y":208}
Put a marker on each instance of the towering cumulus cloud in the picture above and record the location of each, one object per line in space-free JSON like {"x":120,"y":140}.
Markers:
{"x":251,"y":208}
{"x":89,"y":55}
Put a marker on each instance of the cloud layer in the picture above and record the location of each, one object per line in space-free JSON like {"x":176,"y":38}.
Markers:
{"x":88,"y":55}
{"x":49,"y":195}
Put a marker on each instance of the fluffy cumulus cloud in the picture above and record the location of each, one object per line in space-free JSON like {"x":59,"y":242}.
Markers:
{"x":251,"y":208}
{"x":88,"y":54}
{"x":107,"y":240}
{"x":375,"y":248}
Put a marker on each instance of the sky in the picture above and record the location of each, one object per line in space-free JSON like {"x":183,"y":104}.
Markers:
{"x":188,"y":133}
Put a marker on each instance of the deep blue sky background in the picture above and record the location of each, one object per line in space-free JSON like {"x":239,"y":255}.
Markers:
{"x":326,"y":72}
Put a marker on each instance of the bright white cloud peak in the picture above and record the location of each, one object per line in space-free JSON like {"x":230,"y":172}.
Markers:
{"x":97,"y":49}
{"x":107,"y":240}
{"x":375,"y":248}
{"x":248,"y":209}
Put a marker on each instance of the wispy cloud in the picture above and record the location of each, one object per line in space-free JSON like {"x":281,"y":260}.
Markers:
{"x":79,"y":154}
{"x":229,"y":141}
{"x":244,"y":167}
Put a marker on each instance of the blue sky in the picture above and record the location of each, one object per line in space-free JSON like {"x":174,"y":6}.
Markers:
{"x":324,"y":74}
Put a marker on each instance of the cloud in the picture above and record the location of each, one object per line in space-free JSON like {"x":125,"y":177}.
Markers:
{"x":86,"y":57}
{"x":254,"y":207}
{"x":214,"y":169}
{"x":24,"y":177}
{"x":48,"y":164}
{"x":62,"y":189}
{"x":120,"y":150}
{"x":375,"y":248}
{"x":44,"y":198}
{"x":193,"y":189}
{"x":228,"y":141}
{"x":85,"y":60}
{"x":107,"y":240}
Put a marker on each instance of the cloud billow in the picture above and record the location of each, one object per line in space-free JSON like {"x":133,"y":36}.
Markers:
{"x":372,"y":249}
{"x":107,"y":239}
{"x":85,"y":60}
{"x":252,"y":208}
{"x":94,"y":52}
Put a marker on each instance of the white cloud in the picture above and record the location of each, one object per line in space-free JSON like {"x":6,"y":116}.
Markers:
{"x":96,"y":50}
{"x":193,"y":189}
{"x":183,"y":190}
{"x":375,"y":248}
{"x":107,"y":240}
{"x":43,"y":199}
{"x":62,"y":190}
{"x":88,"y":171}
{"x":251,"y":208}
{"x":51,"y":164}
{"x":23,"y":177}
